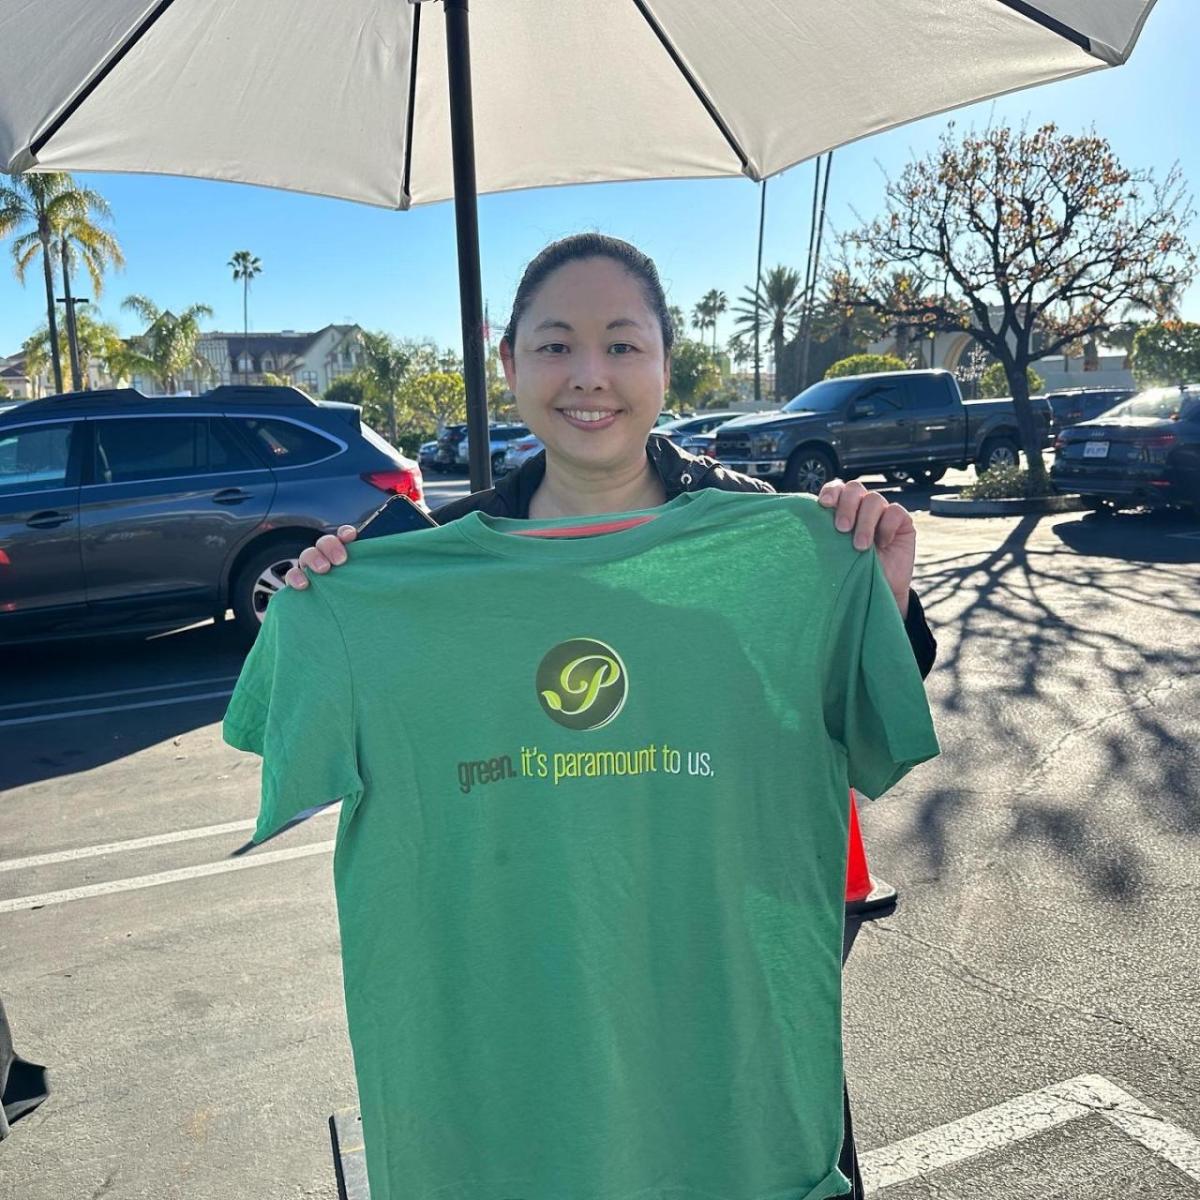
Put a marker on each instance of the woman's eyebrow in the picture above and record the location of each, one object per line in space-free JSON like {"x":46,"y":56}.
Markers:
{"x":619,"y":323}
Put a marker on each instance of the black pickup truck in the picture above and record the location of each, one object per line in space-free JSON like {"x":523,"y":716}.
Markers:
{"x":911,"y":426}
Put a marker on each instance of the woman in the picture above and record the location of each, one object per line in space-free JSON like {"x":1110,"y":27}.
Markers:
{"x":587,"y":354}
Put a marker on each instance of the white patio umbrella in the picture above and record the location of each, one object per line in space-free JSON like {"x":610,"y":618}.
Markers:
{"x":371,"y":100}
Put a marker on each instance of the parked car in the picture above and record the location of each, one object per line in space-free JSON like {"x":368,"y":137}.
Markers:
{"x":1069,"y":406}
{"x":125,"y":512}
{"x":520,"y":450}
{"x":911,"y":425}
{"x":500,"y":436}
{"x":688,"y":432}
{"x":447,"y":451}
{"x":1144,"y":451}
{"x":427,"y":456}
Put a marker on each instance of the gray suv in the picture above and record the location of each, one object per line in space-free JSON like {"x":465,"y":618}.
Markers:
{"x":121,"y":512}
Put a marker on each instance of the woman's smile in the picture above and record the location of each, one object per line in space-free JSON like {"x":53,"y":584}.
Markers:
{"x":589,"y":418}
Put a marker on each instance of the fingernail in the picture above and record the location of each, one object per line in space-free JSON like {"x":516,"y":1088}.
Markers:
{"x":843,"y":524}
{"x":861,"y":543}
{"x":321,"y":568}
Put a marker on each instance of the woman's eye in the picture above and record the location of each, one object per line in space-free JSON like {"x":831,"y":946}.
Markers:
{"x":622,"y":348}
{"x":554,"y":347}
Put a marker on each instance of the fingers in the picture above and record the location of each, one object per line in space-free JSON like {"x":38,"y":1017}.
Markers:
{"x":870,"y":516}
{"x":330,"y":551}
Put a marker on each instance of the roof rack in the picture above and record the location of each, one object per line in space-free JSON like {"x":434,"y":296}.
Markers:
{"x":228,"y":394}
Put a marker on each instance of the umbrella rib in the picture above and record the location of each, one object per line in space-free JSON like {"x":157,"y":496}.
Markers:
{"x":99,"y":75}
{"x":693,"y":83}
{"x":1085,"y":43}
{"x":406,"y":186}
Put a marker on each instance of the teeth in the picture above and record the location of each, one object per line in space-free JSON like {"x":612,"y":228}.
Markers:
{"x":582,"y":415}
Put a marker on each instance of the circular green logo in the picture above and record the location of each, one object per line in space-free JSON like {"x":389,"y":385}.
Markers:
{"x":582,"y":684}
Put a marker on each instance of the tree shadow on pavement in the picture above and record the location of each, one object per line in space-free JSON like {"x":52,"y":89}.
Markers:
{"x":1068,"y":661}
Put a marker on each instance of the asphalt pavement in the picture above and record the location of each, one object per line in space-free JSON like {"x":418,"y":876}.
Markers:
{"x":1025,"y":1025}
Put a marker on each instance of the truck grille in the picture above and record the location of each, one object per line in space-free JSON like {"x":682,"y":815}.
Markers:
{"x":732,"y":447}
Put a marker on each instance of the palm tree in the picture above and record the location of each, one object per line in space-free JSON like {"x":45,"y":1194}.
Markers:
{"x":775,"y":307}
{"x":80,"y":237}
{"x":715,"y":303}
{"x":387,"y":366}
{"x":97,"y":341}
{"x":245,"y":267}
{"x":168,"y":347}
{"x":33,"y":211}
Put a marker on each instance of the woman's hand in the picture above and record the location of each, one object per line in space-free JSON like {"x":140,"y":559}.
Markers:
{"x":874,"y":520}
{"x":330,"y":551}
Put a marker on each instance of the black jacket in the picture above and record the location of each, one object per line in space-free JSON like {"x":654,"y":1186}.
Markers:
{"x":680,"y":472}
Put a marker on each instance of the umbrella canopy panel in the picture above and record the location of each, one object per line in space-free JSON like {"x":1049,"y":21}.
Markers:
{"x":314,"y":95}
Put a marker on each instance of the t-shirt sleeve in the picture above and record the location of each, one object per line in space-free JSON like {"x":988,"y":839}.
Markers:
{"x":875,"y":705}
{"x":294,"y":706}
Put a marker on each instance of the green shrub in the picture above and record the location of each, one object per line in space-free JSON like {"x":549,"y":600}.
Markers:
{"x":866,"y":364}
{"x":993,"y":383}
{"x":1000,"y":483}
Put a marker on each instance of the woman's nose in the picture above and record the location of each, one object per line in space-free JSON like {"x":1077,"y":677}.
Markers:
{"x":589,"y":371}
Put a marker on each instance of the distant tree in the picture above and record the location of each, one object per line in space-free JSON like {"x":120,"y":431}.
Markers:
{"x":4,"y":392}
{"x":168,"y":349}
{"x":96,"y":342}
{"x":386,"y":367}
{"x":1167,"y":352}
{"x":993,"y":383}
{"x":32,"y":212}
{"x":777,"y":313}
{"x":1042,"y":239}
{"x":438,"y":398}
{"x":245,"y":267}
{"x":695,"y":374}
{"x":82,"y":237}
{"x":865,"y":364}
{"x":347,"y":389}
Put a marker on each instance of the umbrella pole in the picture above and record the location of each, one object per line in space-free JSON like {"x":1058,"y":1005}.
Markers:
{"x":466,"y":219}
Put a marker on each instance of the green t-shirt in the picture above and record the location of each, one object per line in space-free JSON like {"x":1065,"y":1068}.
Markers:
{"x":591,"y":858}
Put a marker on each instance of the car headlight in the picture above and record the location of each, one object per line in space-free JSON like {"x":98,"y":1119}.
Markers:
{"x":765,"y":443}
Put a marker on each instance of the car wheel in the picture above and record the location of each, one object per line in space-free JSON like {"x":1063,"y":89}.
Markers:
{"x":920,"y":477}
{"x":808,"y":471}
{"x":260,"y":578}
{"x":997,"y":452}
{"x":497,"y":465}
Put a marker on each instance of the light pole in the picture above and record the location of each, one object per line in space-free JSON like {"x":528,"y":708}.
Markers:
{"x":69,"y":302}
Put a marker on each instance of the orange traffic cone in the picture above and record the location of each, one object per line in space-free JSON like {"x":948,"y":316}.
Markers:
{"x":866,"y":897}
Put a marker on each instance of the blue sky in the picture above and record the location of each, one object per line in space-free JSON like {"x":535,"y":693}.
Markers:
{"x":332,"y":261}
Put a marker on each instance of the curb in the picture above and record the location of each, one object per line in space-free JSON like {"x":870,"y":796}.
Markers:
{"x":954,"y":506}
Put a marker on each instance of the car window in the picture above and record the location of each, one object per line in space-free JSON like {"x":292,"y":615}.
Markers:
{"x":144,"y":448}
{"x":887,"y":398}
{"x":1165,"y":404}
{"x":284,"y":443}
{"x":225,"y":452}
{"x":34,"y":459}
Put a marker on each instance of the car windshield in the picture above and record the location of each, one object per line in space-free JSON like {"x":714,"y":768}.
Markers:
{"x":1164,"y":404}
{"x":824,"y":396}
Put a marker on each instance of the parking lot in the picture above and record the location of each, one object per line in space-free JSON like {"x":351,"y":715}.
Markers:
{"x":1025,"y":1025}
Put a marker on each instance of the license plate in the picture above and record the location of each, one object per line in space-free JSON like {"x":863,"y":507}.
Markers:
{"x":1095,"y":450}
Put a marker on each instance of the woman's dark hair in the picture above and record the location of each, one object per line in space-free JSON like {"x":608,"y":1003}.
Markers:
{"x":592,"y":245}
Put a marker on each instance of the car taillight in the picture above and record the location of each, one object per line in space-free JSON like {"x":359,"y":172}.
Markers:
{"x":1155,"y":449}
{"x":403,"y":482}
{"x":1059,"y":443}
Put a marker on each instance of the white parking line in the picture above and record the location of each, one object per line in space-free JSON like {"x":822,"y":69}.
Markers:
{"x":1024,"y":1117}
{"x":157,"y":687}
{"x":142,"y":843}
{"x":93,"y":712}
{"x":19,"y":903}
